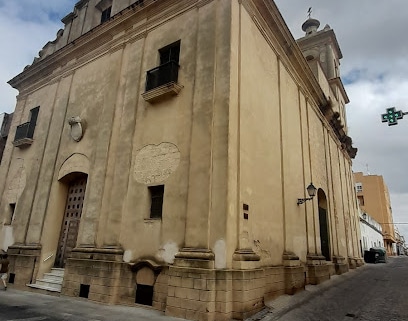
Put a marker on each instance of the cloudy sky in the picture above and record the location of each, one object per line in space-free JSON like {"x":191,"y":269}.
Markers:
{"x":372,"y":36}
{"x":374,"y":69}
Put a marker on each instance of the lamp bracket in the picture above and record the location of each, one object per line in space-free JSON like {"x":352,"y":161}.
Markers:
{"x":303,"y":200}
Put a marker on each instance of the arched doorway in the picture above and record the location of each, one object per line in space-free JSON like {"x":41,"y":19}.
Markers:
{"x":324,"y":225}
{"x":72,"y":216}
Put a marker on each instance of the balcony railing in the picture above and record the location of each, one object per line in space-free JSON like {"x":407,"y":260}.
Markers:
{"x":162,"y":75}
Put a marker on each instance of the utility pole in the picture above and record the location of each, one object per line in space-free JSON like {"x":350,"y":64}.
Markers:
{"x":392,"y":115}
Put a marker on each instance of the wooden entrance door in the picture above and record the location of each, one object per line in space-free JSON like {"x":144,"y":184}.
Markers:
{"x":70,"y":224}
{"x":324,"y":233}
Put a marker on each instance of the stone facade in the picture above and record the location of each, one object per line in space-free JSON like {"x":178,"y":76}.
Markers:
{"x":167,"y":145}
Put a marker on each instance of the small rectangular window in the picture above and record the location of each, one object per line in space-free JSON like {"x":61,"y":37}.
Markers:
{"x":84,"y":290}
{"x":170,"y":53}
{"x":361,"y":200}
{"x":156,"y":196}
{"x":359,"y":187}
{"x":106,"y":14}
{"x":12,"y":278}
{"x":12,"y":207}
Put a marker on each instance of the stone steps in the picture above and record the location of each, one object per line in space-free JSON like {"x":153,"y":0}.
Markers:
{"x":52,"y":281}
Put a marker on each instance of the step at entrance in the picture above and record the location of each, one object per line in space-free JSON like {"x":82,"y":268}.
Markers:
{"x":52,"y":281}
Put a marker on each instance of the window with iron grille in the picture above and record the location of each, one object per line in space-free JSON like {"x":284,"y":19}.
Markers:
{"x":156,"y":196}
{"x":106,"y":14}
{"x":167,"y":71}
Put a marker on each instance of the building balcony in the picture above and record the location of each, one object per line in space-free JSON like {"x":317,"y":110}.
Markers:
{"x":24,"y":135}
{"x":161,"y":82}
{"x":389,"y":237}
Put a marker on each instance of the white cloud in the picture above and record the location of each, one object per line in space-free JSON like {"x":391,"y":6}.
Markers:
{"x":25,"y":27}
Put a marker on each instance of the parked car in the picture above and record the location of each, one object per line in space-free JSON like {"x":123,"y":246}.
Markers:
{"x":376,"y":255}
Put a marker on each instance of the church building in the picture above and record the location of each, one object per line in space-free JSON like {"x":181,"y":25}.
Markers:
{"x":188,"y":155}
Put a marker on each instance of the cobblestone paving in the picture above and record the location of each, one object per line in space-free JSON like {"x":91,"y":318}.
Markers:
{"x":375,"y":292}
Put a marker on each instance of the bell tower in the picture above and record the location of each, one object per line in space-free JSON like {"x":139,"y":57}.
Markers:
{"x":322,"y":51}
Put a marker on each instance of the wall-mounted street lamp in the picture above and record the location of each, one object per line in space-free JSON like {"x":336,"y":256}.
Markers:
{"x":311,"y":190}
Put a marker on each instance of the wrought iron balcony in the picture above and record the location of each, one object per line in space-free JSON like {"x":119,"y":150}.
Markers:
{"x":24,"y":135}
{"x":162,"y":81}
{"x":162,"y":75}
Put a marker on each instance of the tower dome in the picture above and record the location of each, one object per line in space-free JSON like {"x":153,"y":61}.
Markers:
{"x":310,"y":26}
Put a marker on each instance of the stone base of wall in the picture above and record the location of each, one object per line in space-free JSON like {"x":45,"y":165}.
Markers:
{"x":295,"y":274}
{"x":318,"y":269}
{"x":340,"y":265}
{"x":183,"y":289}
{"x":359,"y":262}
{"x":110,"y":280}
{"x":24,"y":262}
{"x":209,"y":294}
{"x":295,"y":279}
{"x":352,"y":263}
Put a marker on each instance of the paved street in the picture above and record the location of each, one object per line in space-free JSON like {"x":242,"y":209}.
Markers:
{"x":25,"y":306}
{"x":375,"y":292}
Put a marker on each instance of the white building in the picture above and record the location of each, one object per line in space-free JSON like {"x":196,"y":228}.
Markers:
{"x":371,"y":232}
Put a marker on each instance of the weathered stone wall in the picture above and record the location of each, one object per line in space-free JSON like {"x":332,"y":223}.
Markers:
{"x":24,"y":263}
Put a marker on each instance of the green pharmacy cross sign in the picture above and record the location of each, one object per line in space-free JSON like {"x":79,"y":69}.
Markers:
{"x":392,"y":116}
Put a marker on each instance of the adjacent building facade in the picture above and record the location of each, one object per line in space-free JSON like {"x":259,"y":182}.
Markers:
{"x":400,"y":246}
{"x":5,"y":121}
{"x":371,"y":233}
{"x":374,"y":198}
{"x":159,"y":152}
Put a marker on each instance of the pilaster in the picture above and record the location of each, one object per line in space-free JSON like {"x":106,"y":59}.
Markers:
{"x":294,"y":273}
{"x":318,"y":269}
{"x":340,"y":264}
